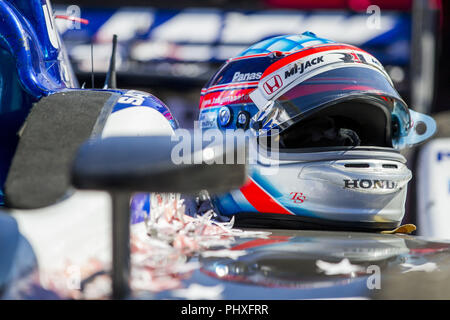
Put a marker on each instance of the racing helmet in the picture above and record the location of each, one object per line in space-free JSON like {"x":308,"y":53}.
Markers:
{"x":336,"y":126}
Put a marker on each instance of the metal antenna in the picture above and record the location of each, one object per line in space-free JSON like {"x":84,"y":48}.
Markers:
{"x":92,"y":64}
{"x":110,"y":81}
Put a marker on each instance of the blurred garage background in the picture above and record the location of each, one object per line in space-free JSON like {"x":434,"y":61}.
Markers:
{"x":170,"y":49}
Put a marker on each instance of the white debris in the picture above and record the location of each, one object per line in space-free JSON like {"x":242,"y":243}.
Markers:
{"x":199,"y":292}
{"x":169,"y":223}
{"x":186,"y":267}
{"x":343,"y":267}
{"x":160,"y":250}
{"x":426,"y":267}
{"x":224,"y":253}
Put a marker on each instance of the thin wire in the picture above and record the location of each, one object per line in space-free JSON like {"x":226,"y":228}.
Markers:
{"x":92,"y":64}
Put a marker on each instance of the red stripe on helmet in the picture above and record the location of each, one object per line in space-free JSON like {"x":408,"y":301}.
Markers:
{"x":306,"y":52}
{"x":225,"y":97}
{"x":261,"y":200}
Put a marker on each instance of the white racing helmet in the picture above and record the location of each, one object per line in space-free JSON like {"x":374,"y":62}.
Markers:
{"x":331,"y":125}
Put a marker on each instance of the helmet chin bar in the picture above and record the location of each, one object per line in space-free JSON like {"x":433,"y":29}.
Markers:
{"x":365,"y":189}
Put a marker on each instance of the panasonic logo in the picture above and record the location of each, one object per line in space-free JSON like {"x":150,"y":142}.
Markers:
{"x":246,"y":76}
{"x":369,"y":184}
{"x":302,"y":67}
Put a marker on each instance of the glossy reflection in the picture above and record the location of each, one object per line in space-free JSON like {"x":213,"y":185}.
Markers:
{"x":289,"y":258}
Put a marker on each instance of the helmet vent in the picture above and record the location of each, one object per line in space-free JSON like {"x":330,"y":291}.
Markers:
{"x":390,"y":166}
{"x":357,"y":165}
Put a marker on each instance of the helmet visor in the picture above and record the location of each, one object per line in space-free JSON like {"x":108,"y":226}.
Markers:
{"x":320,"y":90}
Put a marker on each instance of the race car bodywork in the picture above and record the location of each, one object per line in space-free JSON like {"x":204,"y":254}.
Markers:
{"x":322,"y":264}
{"x":44,"y":117}
{"x":35,"y":65}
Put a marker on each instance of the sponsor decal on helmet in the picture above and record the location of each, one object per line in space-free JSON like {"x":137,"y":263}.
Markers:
{"x":301,"y":67}
{"x":273,"y":84}
{"x":228,"y":97}
{"x":297,"y":197}
{"x":369,"y":184}
{"x":207,"y":120}
{"x":238,"y":76}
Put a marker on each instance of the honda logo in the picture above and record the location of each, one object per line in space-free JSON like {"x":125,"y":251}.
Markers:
{"x":369,"y":184}
{"x":273,"y":84}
